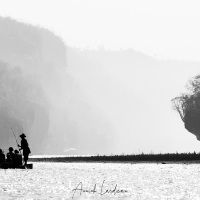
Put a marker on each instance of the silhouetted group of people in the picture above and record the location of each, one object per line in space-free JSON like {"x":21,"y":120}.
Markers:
{"x":11,"y":158}
{"x":14,"y":158}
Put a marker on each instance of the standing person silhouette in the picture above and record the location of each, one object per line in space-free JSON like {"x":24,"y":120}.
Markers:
{"x":25,"y":147}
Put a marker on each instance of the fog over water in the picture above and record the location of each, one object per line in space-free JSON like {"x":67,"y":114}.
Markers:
{"x":73,"y":101}
{"x":134,"y":91}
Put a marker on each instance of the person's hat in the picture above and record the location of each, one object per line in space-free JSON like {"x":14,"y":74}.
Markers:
{"x":22,"y":135}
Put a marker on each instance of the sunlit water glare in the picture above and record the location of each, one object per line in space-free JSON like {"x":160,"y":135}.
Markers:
{"x":134,"y":181}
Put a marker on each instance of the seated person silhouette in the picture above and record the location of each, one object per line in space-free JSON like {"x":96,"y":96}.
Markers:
{"x":10,"y":156}
{"x":17,"y":158}
{"x":2,"y":156}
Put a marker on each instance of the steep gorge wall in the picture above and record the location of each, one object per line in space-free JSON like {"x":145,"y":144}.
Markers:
{"x":41,"y":98}
{"x":39,"y":57}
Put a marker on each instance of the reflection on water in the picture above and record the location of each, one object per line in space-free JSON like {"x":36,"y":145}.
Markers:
{"x":132,"y":181}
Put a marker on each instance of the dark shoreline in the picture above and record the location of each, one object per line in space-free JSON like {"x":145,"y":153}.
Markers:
{"x":138,"y":158}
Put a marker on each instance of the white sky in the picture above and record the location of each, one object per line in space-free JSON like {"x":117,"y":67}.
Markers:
{"x":166,"y":29}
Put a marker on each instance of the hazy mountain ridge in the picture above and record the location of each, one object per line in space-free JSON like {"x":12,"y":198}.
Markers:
{"x":130,"y":87}
{"x":29,"y":46}
{"x":61,"y":120}
{"x":30,"y":50}
{"x":89,"y":101}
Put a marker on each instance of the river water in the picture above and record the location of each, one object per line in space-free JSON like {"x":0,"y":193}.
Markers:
{"x":101,"y":181}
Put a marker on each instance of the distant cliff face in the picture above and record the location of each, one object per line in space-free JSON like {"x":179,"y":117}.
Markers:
{"x":32,"y":60}
{"x":41,"y":99}
{"x":20,"y":99}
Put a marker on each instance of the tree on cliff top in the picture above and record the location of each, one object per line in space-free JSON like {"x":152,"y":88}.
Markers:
{"x":188,"y":106}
